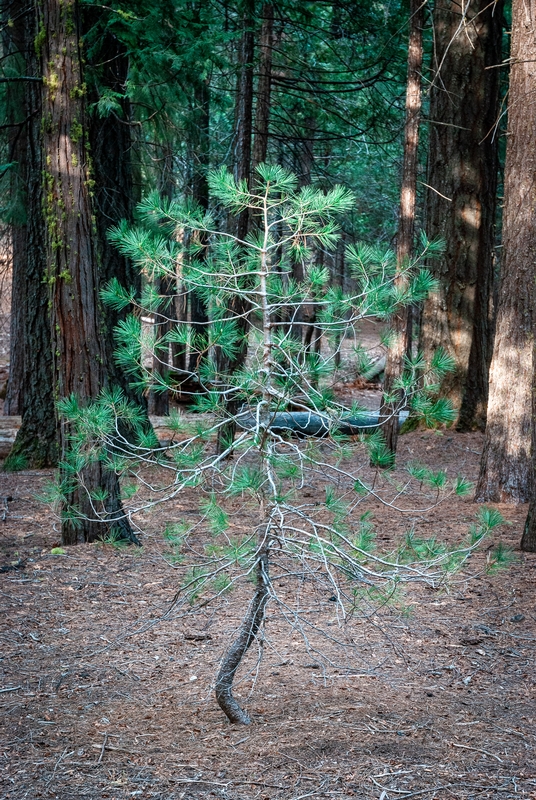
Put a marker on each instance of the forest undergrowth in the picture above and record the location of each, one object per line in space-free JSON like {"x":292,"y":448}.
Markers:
{"x":105,"y":695}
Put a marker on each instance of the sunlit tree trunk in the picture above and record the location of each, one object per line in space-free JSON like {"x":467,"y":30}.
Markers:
{"x":506,"y":461}
{"x":408,"y":197}
{"x":79,"y":354}
{"x":461,"y":197}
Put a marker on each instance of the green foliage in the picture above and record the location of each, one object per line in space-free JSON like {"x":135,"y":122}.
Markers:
{"x":15,"y":462}
{"x":500,"y":557}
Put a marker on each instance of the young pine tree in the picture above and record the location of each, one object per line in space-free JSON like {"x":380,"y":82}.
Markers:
{"x":290,"y":428}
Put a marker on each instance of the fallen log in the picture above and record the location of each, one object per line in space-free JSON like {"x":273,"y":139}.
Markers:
{"x":311,"y":423}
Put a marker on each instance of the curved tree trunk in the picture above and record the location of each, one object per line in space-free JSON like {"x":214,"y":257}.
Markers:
{"x":246,"y":636}
{"x":394,"y":365}
{"x":79,"y":353}
{"x":506,"y":461}
{"x":461,"y":198}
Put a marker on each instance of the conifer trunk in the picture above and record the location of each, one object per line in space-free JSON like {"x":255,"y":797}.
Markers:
{"x":200,"y":192}
{"x":528,"y":540}
{"x":36,"y":443}
{"x":79,"y":354}
{"x":247,"y":634}
{"x":111,"y":147}
{"x":506,"y":460}
{"x":264,"y":86}
{"x":165,"y":286}
{"x":15,"y":26}
{"x":239,"y":307}
{"x":394,"y":365}
{"x":461,"y":200}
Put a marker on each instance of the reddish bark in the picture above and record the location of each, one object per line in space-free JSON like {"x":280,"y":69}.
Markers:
{"x":394,"y":365}
{"x":506,"y":461}
{"x":78,"y":350}
{"x":461,"y":200}
{"x":15,"y":19}
{"x":36,"y":444}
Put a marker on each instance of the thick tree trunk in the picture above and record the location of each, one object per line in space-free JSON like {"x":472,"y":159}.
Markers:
{"x":79,"y":353}
{"x":36,"y":444}
{"x":111,"y":147}
{"x":394,"y":365}
{"x":506,"y":462}
{"x":110,"y":143}
{"x":16,"y":19}
{"x":461,"y":200}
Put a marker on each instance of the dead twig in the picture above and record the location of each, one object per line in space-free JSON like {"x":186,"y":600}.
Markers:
{"x":477,"y":750}
{"x":103,"y":748}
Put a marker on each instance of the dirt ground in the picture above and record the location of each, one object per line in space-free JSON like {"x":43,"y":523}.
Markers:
{"x":102,"y":697}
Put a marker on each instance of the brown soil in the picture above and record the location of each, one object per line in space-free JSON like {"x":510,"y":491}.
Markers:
{"x":102,"y":698}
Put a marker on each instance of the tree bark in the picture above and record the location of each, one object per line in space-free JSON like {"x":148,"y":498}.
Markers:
{"x":506,"y":460}
{"x":200,"y":192}
{"x":111,"y":148}
{"x":15,"y":18}
{"x":244,"y":111}
{"x":110,"y":142}
{"x":159,"y":400}
{"x":304,"y":166}
{"x":239,"y":307}
{"x":528,"y":540}
{"x":248,"y":632}
{"x":394,"y":365}
{"x":79,"y":353}
{"x":36,"y":444}
{"x":461,"y":198}
{"x":264,"y":86}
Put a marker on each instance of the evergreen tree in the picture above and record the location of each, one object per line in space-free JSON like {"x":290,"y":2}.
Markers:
{"x":279,"y":391}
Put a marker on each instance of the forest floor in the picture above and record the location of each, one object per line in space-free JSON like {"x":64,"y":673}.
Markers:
{"x":102,"y":696}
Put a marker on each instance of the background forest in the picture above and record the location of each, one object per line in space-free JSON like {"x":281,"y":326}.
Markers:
{"x":406,"y":105}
